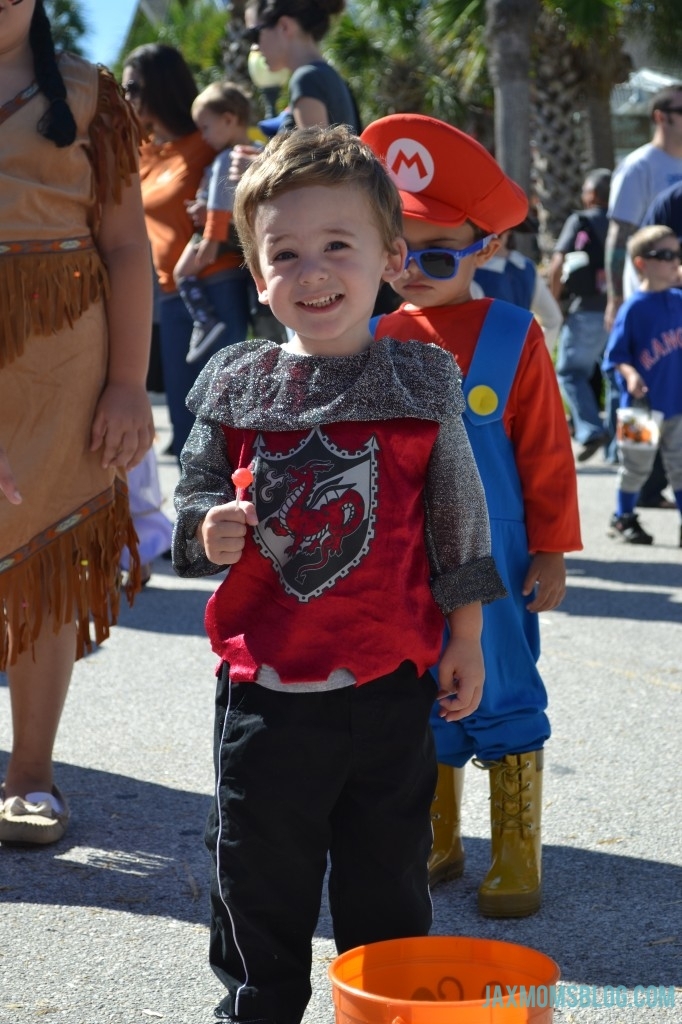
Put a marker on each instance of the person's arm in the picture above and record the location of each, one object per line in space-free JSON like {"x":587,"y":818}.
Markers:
{"x":460,"y":670}
{"x":614,"y":265}
{"x":309,"y":113}
{"x":535,"y":421}
{"x":206,"y":253}
{"x":205,"y":489}
{"x":187,"y":264}
{"x":222,"y":533}
{"x":123,"y":426}
{"x":556,"y":267}
{"x":634,"y":381}
{"x":309,"y":98}
{"x":547,"y":572}
{"x":565,"y":243}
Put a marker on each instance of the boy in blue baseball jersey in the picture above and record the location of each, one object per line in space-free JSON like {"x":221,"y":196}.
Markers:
{"x":645,"y":347}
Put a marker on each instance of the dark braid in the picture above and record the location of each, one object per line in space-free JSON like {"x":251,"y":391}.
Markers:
{"x":57,"y":123}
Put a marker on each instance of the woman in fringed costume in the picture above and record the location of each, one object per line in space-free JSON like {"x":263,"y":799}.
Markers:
{"x":75,"y":324}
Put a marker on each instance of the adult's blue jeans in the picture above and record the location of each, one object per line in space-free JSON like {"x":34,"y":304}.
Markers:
{"x":581,"y":345}
{"x":228,"y":294}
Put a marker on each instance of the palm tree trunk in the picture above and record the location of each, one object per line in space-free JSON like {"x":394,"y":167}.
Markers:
{"x":509,"y":28}
{"x":599,"y":131}
{"x":559,"y":159}
{"x":235,"y":50}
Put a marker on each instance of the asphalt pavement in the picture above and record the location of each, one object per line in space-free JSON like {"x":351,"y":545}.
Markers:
{"x":110,"y":925}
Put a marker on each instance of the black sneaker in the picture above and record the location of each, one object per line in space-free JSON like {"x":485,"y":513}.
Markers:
{"x":592,"y":446}
{"x":203,"y":337}
{"x":627,"y":527}
{"x":221,"y":1014}
{"x":227,"y":1018}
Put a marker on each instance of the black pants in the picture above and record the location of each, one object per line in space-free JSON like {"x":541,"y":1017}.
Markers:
{"x":349,"y":773}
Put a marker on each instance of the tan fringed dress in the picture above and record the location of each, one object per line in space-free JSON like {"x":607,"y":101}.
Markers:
{"x":59,"y":549}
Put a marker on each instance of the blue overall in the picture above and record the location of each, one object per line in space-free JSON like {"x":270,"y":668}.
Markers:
{"x":511,"y":717}
{"x":514,"y":284}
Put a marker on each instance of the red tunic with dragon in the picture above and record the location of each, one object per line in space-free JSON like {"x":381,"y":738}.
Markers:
{"x":341,"y":522}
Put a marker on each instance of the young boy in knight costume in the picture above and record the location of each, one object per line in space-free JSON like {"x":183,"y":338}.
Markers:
{"x":363,"y":479}
{"x":456,"y":201}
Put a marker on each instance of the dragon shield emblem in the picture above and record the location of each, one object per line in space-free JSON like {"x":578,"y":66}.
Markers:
{"x":316,"y":511}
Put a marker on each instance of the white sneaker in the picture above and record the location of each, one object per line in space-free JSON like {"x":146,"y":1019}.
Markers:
{"x":203,"y":337}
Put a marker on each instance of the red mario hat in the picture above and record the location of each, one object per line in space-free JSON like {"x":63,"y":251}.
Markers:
{"x":443,"y":175}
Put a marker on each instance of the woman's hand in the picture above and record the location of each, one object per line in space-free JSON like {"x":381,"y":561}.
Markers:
{"x":123,"y":425}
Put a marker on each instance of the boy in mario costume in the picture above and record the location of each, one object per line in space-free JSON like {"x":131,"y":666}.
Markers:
{"x":456,"y":201}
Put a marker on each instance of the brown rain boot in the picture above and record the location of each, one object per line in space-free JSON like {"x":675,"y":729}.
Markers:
{"x":446,"y":859}
{"x":513,"y":886}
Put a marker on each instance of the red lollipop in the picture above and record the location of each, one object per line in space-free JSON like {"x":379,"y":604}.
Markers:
{"x":241,"y":478}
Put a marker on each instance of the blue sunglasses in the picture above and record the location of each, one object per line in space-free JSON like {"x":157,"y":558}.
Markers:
{"x":442,"y":264}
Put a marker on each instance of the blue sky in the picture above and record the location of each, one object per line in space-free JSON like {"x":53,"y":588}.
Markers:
{"x":109,"y":21}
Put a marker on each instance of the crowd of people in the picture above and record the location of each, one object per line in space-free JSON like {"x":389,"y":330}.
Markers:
{"x":427,"y":438}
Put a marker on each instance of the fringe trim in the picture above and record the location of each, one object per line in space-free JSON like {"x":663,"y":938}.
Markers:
{"x":114,"y":143}
{"x":42,"y":293}
{"x":75,"y":577}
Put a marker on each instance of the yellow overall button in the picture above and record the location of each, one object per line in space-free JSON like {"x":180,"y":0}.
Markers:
{"x":482,"y":400}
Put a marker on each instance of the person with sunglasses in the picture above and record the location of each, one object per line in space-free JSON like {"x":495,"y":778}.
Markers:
{"x":456,"y":202}
{"x":288,"y":34}
{"x":645,"y":347}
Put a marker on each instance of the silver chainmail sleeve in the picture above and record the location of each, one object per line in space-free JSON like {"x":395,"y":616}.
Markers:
{"x":462,"y":568}
{"x":204,"y":482}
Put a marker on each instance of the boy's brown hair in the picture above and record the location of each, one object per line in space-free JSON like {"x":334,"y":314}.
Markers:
{"x":315,"y":156}
{"x":646,"y":238}
{"x":224,"y":98}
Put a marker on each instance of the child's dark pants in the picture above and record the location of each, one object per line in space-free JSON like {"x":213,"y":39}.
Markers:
{"x":349,"y":773}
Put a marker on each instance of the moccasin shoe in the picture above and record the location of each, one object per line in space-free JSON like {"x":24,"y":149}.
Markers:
{"x":37,"y":819}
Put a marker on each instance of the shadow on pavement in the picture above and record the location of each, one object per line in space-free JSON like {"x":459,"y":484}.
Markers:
{"x":606,"y":919}
{"x":131,"y":845}
{"x":646,"y":574}
{"x":138,"y":847}
{"x":160,"y":609}
{"x":656,"y":606}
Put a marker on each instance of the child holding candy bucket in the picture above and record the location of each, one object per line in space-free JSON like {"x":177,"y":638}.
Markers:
{"x":361,"y":472}
{"x":517,"y":428}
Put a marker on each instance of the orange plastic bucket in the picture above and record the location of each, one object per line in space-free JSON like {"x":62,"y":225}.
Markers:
{"x":443,"y":980}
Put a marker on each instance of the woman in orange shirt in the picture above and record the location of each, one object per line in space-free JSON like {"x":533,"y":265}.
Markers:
{"x":159,"y":84}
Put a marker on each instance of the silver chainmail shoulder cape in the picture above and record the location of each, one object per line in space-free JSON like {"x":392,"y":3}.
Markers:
{"x":258,"y":385}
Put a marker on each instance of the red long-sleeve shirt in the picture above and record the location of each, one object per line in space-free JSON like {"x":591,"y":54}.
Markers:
{"x":534,"y":418}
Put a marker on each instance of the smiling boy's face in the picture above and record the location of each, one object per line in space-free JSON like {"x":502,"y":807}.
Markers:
{"x":321,"y":260}
{"x":418,"y":288}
